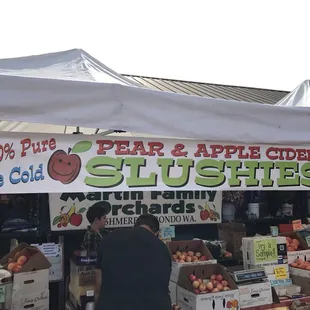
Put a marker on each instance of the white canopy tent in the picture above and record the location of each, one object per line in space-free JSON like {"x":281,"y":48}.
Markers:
{"x":69,"y":88}
{"x":299,"y":97}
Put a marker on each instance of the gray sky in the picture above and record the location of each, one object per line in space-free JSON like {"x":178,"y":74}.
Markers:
{"x":250,"y":43}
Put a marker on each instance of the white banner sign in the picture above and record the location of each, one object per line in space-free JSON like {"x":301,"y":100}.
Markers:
{"x":68,"y":210}
{"x":35,"y":163}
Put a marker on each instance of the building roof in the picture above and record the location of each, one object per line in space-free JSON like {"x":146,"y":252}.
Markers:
{"x":227,"y":92}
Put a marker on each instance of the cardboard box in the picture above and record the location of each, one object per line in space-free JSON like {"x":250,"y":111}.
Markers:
{"x":173,"y":291}
{"x":188,"y":300}
{"x":303,"y":282}
{"x":299,"y":272}
{"x":79,"y":299}
{"x":264,"y":251}
{"x":255,"y":295}
{"x":37,"y":260}
{"x":28,"y":282}
{"x":232,"y":233}
{"x":34,"y":301}
{"x":185,"y":246}
{"x":303,"y":253}
{"x":82,"y":275}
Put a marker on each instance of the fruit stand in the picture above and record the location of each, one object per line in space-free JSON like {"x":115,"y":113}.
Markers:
{"x":240,"y":155}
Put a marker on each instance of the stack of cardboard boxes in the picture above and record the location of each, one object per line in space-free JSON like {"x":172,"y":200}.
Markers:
{"x":31,"y":283}
{"x":83,"y":279}
{"x":232,"y":233}
{"x":185,"y":246}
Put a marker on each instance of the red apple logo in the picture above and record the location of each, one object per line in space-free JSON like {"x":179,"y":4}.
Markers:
{"x":72,"y":217}
{"x":76,"y":219}
{"x":65,"y":167}
{"x":206,"y":213}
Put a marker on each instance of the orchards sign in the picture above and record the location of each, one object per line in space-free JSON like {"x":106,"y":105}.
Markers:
{"x":70,"y":163}
{"x":67,"y":210}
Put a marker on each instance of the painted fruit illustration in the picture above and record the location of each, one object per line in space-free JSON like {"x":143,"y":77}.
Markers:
{"x":71,"y":217}
{"x":66,"y":166}
{"x":207,"y":213}
{"x":232,"y":304}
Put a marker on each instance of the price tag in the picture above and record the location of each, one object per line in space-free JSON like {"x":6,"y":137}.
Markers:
{"x":2,"y":294}
{"x":297,"y":225}
{"x":167,"y":232}
{"x":308,"y":240}
{"x":280,"y":273}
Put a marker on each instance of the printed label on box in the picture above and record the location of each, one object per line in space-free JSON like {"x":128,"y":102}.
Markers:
{"x":2,"y":293}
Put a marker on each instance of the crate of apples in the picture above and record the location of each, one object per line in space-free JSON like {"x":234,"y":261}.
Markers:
{"x":188,"y":257}
{"x":292,"y":244}
{"x":301,"y":264}
{"x":15,"y":267}
{"x":215,"y":284}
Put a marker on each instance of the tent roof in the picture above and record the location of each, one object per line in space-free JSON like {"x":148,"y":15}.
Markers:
{"x":58,"y":97}
{"x":73,"y":64}
{"x":299,"y":97}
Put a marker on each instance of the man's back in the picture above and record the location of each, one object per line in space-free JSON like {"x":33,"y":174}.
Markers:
{"x":135,"y":269}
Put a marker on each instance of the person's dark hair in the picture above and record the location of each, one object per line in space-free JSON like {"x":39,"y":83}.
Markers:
{"x":96,"y":211}
{"x":148,"y":220}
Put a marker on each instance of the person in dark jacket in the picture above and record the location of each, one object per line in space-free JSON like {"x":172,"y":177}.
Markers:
{"x":135,"y":266}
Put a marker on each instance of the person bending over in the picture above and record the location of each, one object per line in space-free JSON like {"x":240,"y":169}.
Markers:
{"x":135,"y":267}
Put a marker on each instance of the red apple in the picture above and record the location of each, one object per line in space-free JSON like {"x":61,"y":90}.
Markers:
{"x":199,"y":280}
{"x":182,"y":257}
{"x":202,"y":287}
{"x":196,"y":291}
{"x":219,"y":277}
{"x":22,"y":260}
{"x":195,"y":284}
{"x":16,"y":268}
{"x":215,"y":290}
{"x":11,"y":266}
{"x":195,"y":259}
{"x":63,"y":167}
{"x":224,"y":283}
{"x":209,"y":286}
{"x":188,"y":259}
{"x":220,"y":287}
{"x":203,"y":258}
{"x":76,"y":219}
{"x":213,"y":277}
{"x":190,"y":253}
{"x":198,"y":254}
{"x":181,"y":261}
{"x":228,"y":254}
{"x":215,"y":283}
{"x":192,"y":277}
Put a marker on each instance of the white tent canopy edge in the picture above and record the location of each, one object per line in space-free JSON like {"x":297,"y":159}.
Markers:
{"x":119,"y":107}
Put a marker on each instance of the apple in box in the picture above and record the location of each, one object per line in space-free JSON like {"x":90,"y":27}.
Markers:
{"x":189,"y":251}
{"x":213,"y":276}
